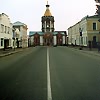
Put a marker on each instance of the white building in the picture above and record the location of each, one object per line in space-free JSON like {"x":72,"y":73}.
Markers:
{"x":21,"y":34}
{"x":6,"y":35}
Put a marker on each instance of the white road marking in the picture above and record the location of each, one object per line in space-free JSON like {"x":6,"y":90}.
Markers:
{"x":49,"y":94}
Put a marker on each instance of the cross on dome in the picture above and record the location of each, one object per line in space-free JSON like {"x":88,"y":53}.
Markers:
{"x":47,"y":12}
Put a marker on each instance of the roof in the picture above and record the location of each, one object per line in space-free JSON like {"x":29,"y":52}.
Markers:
{"x":47,"y":13}
{"x":18,"y":23}
{"x":33,"y":32}
{"x":41,"y":33}
{"x":94,"y":16}
{"x":55,"y":33}
{"x":61,"y":32}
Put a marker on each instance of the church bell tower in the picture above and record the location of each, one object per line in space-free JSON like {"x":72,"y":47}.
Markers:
{"x":47,"y":20}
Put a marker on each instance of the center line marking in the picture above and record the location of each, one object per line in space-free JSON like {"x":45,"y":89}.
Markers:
{"x":49,"y":94}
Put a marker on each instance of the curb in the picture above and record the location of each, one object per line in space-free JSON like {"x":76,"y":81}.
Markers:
{"x":10,"y":53}
{"x":88,"y":52}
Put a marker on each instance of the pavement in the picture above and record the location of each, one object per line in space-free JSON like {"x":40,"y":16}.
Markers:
{"x":8,"y":52}
{"x":93,"y":51}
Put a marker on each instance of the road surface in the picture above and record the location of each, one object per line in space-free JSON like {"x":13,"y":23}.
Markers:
{"x":50,"y":73}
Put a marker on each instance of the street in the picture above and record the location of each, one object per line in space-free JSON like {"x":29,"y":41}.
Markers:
{"x":50,"y":73}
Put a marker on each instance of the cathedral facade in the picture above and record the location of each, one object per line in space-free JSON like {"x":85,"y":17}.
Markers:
{"x":48,"y":36}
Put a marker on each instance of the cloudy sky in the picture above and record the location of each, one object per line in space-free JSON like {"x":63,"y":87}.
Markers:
{"x":66,"y":12}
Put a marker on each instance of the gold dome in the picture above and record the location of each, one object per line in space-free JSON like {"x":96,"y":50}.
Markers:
{"x":47,"y":13}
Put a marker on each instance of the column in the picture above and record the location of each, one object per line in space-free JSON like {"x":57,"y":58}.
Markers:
{"x":41,"y":40}
{"x":45,"y":26}
{"x":55,"y":40}
{"x":50,"y":27}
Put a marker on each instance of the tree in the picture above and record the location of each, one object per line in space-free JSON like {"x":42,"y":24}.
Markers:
{"x":98,"y":7}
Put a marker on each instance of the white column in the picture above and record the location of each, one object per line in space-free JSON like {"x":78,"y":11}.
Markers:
{"x":31,"y":38}
{"x":0,"y":28}
{"x":50,"y":27}
{"x":63,"y":39}
{"x":0,"y":43}
{"x":45,"y":26}
{"x":54,"y":40}
{"x":41,"y":40}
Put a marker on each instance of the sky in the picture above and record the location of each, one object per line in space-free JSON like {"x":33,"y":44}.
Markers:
{"x":66,"y":12}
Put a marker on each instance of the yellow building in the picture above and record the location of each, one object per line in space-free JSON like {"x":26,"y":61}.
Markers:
{"x":89,"y":27}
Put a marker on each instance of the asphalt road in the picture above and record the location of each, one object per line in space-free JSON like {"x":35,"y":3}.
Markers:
{"x":72,"y":75}
{"x":23,"y":75}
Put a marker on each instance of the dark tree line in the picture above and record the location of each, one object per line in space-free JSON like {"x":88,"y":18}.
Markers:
{"x":98,"y":7}
{"x":98,"y":1}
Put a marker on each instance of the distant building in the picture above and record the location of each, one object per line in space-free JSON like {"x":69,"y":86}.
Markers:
{"x":6,"y":35}
{"x":37,"y":38}
{"x":21,"y":34}
{"x":85,"y":31}
{"x":48,"y":35}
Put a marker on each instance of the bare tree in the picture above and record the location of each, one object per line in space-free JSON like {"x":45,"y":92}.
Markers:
{"x":98,"y":7}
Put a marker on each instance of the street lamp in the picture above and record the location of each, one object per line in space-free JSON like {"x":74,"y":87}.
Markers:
{"x":80,"y":30}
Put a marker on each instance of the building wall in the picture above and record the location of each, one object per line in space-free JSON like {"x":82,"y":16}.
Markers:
{"x":21,"y":34}
{"x":5,"y":31}
{"x":24,"y":36}
{"x":92,"y":32}
{"x":74,"y":35}
{"x":83,"y":26}
{"x":86,"y":26}
{"x":70,"y":35}
{"x":44,"y":39}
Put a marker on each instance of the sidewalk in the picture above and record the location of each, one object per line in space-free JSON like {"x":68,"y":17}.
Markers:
{"x":9,"y":52}
{"x":93,"y":51}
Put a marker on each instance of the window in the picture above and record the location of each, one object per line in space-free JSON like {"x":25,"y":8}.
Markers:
{"x":94,"y":38}
{"x":48,"y":30}
{"x":48,"y":26}
{"x":8,"y":30}
{"x":2,"y":28}
{"x":17,"y":27}
{"x":1,"y":41}
{"x":94,"y":26}
{"x":5,"y":29}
